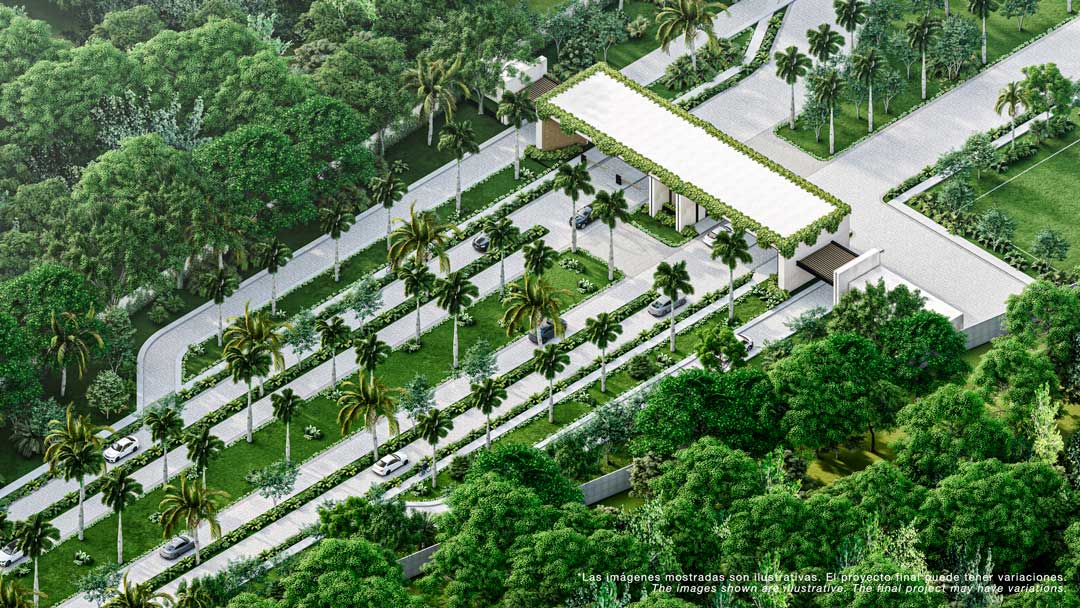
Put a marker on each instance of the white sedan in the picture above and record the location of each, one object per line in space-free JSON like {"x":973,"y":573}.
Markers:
{"x":390,"y":463}
{"x":121,"y":449}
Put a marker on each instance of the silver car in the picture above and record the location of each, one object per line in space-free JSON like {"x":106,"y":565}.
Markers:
{"x":662,"y":306}
{"x":177,"y":546}
{"x":121,"y":448}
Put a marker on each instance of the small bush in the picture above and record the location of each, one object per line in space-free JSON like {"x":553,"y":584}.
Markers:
{"x":637,"y":28}
{"x":688,"y":232}
{"x":159,"y":315}
{"x":174,"y":303}
{"x":22,"y":571}
{"x":586,"y":286}
{"x":312,"y":433}
{"x":155,"y":518}
{"x":640,"y":367}
{"x":572,"y":264}
{"x":412,"y":346}
{"x":82,"y":558}
{"x":466,"y":320}
{"x":459,"y":466}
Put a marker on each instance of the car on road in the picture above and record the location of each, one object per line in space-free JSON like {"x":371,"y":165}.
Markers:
{"x":9,"y":555}
{"x":390,"y":463}
{"x":747,"y":342}
{"x":481,"y":243}
{"x":583,"y":218}
{"x":662,"y":306}
{"x":122,"y":448}
{"x":547,"y":332}
{"x":177,"y":546}
{"x":714,"y":232}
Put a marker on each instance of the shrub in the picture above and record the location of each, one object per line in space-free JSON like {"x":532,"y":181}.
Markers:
{"x":643,"y":469}
{"x":82,"y":558}
{"x":572,"y":264}
{"x":174,"y":303}
{"x":155,"y":518}
{"x":108,"y":393}
{"x":586,"y":286}
{"x":22,"y":571}
{"x":640,"y":367}
{"x":466,"y":320}
{"x":637,"y":28}
{"x":688,"y":232}
{"x":459,"y":466}
{"x":312,"y":433}
{"x":158,"y":315}
{"x":412,"y":346}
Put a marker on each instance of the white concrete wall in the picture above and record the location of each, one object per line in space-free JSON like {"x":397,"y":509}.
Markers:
{"x":847,"y":273}
{"x":658,"y":195}
{"x":790,"y":276}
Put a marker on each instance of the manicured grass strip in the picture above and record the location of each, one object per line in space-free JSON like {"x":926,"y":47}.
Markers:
{"x":654,"y":228}
{"x":424,"y":159}
{"x":622,"y":55}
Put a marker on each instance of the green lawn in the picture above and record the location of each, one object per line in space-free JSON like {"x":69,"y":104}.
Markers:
{"x":656,"y":229}
{"x":741,"y":40}
{"x":539,"y":429}
{"x":828,"y":467}
{"x":1002,"y":38}
{"x":544,"y":7}
{"x":622,"y":55}
{"x":422,"y":159}
{"x":623,"y":500}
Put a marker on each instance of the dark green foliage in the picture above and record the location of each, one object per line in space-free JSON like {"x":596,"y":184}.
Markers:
{"x":353,"y":573}
{"x":1046,"y":313}
{"x":529,"y":467}
{"x":377,"y":519}
{"x":18,"y":366}
{"x":924,"y":350}
{"x":881,"y":492}
{"x":1012,"y":371}
{"x":126,"y":28}
{"x":866,"y":312}
{"x":32,"y":298}
{"x":875,"y":568}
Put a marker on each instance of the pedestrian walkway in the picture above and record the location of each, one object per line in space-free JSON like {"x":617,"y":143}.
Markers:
{"x":751,"y":50}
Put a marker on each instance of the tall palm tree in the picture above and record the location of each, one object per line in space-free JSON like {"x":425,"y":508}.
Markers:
{"x":919,"y":35}
{"x":165,"y":424}
{"x":69,"y":339}
{"x":529,"y":303}
{"x":602,"y":331}
{"x":370,"y":351}
{"x":486,"y":396}
{"x":1010,"y":100}
{"x":436,"y":86}
{"x":336,"y":220}
{"x":824,"y":42}
{"x":74,"y":451}
{"x":671,"y":280}
{"x":502,"y":235}
{"x":138,"y":595}
{"x":432,"y":426}
{"x":516,"y":109}
{"x":202,"y":447}
{"x":829,"y":89}
{"x":538,"y":258}
{"x":550,"y":361}
{"x":866,"y":68}
{"x":188,"y":505}
{"x":792,"y":64}
{"x":286,"y":404}
{"x":418,"y":281}
{"x":982,"y":9}
{"x":257,"y":330}
{"x":574,"y":180}
{"x":419,"y":237}
{"x":13,"y":595}
{"x":731,"y":249}
{"x":685,"y":18}
{"x":117,"y":492}
{"x":455,"y":294}
{"x":33,"y":538}
{"x":611,"y":208}
{"x":273,"y":254}
{"x":332,"y":333}
{"x":193,"y":594}
{"x":367,"y":401}
{"x":459,"y":139}
{"x":217,"y":284}
{"x":850,"y":14}
{"x":244,"y":365}
{"x":386,"y":190}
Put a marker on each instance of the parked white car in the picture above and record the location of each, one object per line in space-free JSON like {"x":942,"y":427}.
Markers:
{"x":390,"y":463}
{"x":9,"y":555}
{"x":122,"y":448}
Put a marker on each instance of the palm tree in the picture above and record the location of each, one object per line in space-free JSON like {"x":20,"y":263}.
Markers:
{"x":192,"y":594}
{"x":188,"y":505}
{"x":731,"y":249}
{"x":33,"y":538}
{"x":164,"y":423}
{"x":336,"y":220}
{"x":433,"y":426}
{"x":920,"y":34}
{"x":455,"y":294}
{"x":332,"y":334}
{"x":538,"y":258}
{"x":502,"y":235}
{"x":550,"y":361}
{"x":419,"y":281}
{"x":203,"y":447}
{"x":386,"y":190}
{"x":611,"y":208}
{"x":217,"y":284}
{"x":866,"y":68}
{"x":824,"y":42}
{"x":69,"y":339}
{"x":370,"y":351}
{"x":436,"y":85}
{"x":829,"y":88}
{"x":138,"y":595}
{"x":530,"y":303}
{"x":74,"y":451}
{"x":244,"y":365}
{"x":257,"y":330}
{"x":273,"y":254}
{"x":791,"y":64}
{"x":458,"y":139}
{"x":486,"y":396}
{"x":516,"y":109}
{"x":286,"y":404}
{"x":1010,"y":100}
{"x":574,"y":180}
{"x":12,"y":594}
{"x":603,"y":331}
{"x":686,"y":18}
{"x":850,"y":14}
{"x":671,"y":280}
{"x":117,"y":492}
{"x":981,"y":9}
{"x":420,"y":236}
{"x":367,"y":400}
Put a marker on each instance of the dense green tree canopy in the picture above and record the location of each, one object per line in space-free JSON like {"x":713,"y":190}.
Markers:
{"x":1046,"y":313}
{"x":374,"y":518}
{"x":924,"y":350}
{"x":879,"y":594}
{"x":262,"y":87}
{"x":24,"y":42}
{"x":1013,"y":371}
{"x":529,"y":467}
{"x":345,"y":573}
{"x":18,"y":367}
{"x":126,"y":28}
{"x":33,"y":297}
{"x":867,"y":311}
{"x":883,"y":492}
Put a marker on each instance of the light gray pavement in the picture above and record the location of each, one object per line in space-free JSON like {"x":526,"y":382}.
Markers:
{"x":751,"y":49}
{"x":740,"y":16}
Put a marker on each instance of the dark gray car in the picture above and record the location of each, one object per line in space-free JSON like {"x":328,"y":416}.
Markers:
{"x":177,"y":547}
{"x":547,"y":332}
{"x":583,"y":218}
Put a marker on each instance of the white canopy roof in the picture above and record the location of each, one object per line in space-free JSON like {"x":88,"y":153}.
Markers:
{"x":690,"y":152}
